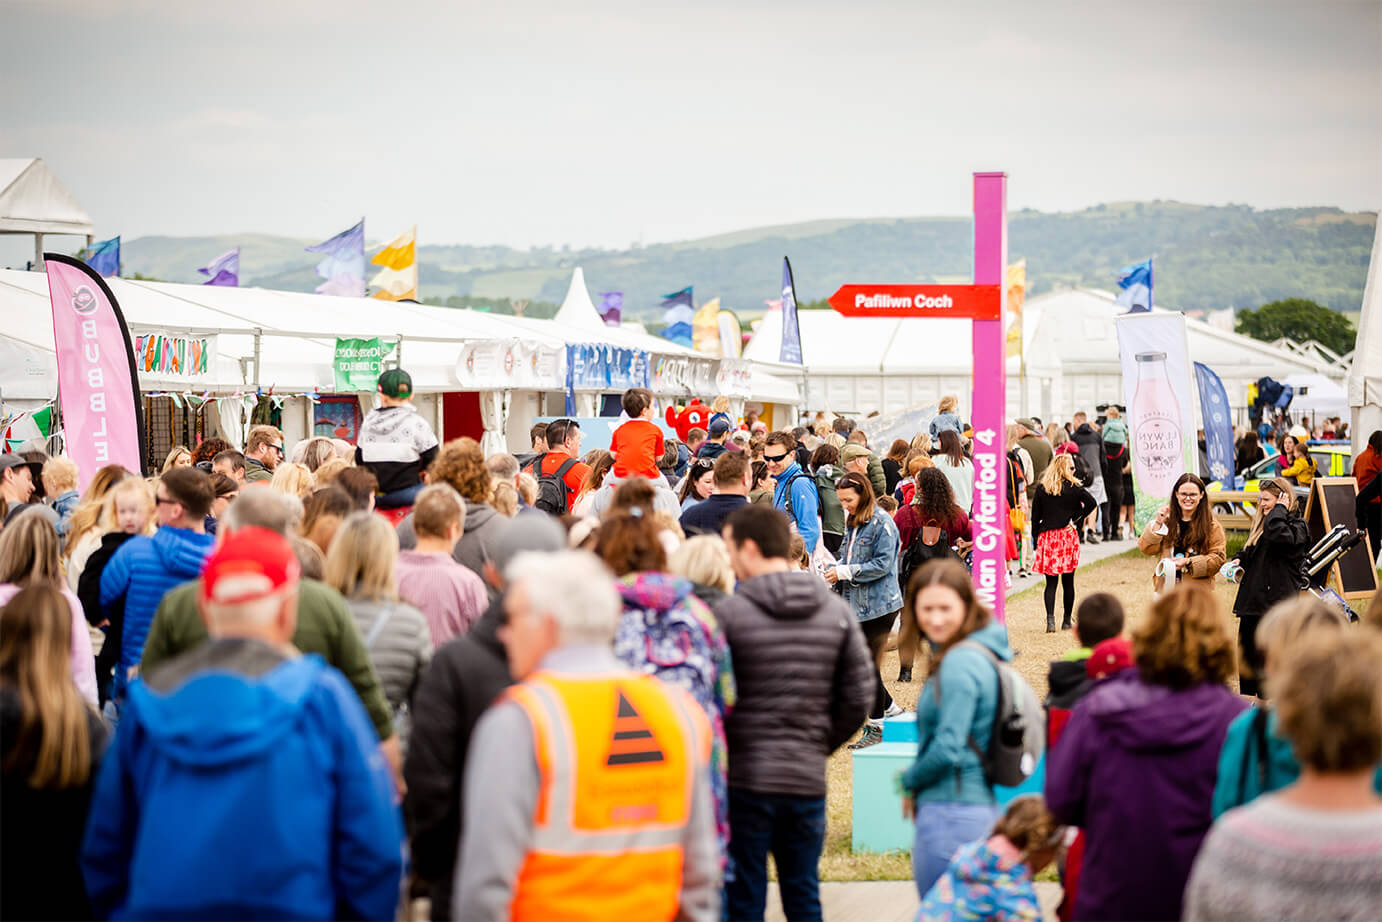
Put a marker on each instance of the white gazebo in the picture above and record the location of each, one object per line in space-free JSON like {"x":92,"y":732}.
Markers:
{"x":33,"y":201}
{"x":1365,"y":377}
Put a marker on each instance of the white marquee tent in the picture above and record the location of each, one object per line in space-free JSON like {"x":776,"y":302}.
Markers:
{"x":284,"y":342}
{"x":1365,"y":377}
{"x":858,"y":365}
{"x":33,"y":201}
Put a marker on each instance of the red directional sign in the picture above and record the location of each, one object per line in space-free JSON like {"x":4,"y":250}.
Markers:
{"x":975,"y":302}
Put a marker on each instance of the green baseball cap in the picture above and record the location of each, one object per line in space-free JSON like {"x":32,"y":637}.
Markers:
{"x":395,"y":382}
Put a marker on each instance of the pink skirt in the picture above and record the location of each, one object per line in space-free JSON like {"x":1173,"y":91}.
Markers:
{"x":1058,"y":552}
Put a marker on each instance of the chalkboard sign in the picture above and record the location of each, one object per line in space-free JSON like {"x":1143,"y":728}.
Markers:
{"x":1331,"y":503}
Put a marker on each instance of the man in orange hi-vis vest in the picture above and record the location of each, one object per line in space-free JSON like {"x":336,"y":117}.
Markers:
{"x":587,"y":786}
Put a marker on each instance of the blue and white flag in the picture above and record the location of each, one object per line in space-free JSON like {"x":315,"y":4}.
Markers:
{"x":791,"y":329}
{"x":680,"y":311}
{"x":1218,"y":424}
{"x":1136,"y":282}
{"x":104,"y":257}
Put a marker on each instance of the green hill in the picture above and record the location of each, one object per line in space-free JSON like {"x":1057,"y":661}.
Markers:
{"x":1206,"y":257}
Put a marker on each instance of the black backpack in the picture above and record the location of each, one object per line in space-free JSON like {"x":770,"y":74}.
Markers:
{"x":919,"y":552}
{"x":553,"y":497}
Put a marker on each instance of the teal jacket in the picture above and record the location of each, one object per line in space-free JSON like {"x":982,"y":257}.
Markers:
{"x":946,"y":769}
{"x":1244,"y":773}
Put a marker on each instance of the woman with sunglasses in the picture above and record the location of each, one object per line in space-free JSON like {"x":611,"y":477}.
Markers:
{"x":1190,"y":537}
{"x":867,"y":578}
{"x":699,"y":483}
{"x":1273,"y":562}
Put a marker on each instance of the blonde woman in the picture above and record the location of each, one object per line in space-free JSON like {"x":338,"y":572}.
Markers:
{"x":704,"y":560}
{"x":292,"y":478}
{"x":29,"y":557}
{"x":504,"y":498}
{"x":52,"y":744}
{"x":127,"y":510}
{"x":326,"y":474}
{"x":1058,"y":506}
{"x":83,"y":532}
{"x":362,"y":566}
{"x":180,"y":456}
{"x":1273,"y":562}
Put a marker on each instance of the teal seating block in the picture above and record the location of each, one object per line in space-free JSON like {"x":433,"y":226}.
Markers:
{"x":877,"y":807}
{"x":878,"y":825}
{"x":900,"y":729}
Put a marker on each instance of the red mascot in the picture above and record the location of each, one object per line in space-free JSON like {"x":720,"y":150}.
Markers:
{"x":696,"y":415}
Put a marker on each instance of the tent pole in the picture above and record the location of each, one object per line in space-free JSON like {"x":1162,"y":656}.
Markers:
{"x":398,"y":352}
{"x":38,"y":252}
{"x":258,"y":332}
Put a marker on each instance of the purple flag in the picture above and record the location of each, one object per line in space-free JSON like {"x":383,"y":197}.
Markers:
{"x":344,"y":265}
{"x":224,"y":269}
{"x":611,"y":307}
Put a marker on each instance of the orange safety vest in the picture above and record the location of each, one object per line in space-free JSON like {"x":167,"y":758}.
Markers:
{"x":618,"y":757}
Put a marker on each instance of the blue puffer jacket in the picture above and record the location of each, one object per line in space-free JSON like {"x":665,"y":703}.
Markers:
{"x":282,"y":771}
{"x":946,"y":769}
{"x":139,"y":574}
{"x":869,"y":556}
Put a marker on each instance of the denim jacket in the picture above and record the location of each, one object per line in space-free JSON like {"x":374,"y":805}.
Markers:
{"x":869,"y":556}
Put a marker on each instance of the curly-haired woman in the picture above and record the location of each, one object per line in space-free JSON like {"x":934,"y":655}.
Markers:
{"x":1136,"y":764}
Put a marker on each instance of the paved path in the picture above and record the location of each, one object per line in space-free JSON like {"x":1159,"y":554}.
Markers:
{"x":884,"y":901}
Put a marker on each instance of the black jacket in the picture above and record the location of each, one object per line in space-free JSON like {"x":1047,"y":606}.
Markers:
{"x":89,"y":594}
{"x":1067,"y":682}
{"x":804,"y":677}
{"x":1274,"y":567}
{"x":1052,"y":513}
{"x":41,"y":837}
{"x":465,"y":677}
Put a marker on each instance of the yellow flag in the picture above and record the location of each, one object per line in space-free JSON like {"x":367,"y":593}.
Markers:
{"x":397,"y":280}
{"x":1015,"y":281}
{"x":705,"y":328}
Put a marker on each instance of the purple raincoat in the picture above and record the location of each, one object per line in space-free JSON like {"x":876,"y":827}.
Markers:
{"x":1135,"y":768}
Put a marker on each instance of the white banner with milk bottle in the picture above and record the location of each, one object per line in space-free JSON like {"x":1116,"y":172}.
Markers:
{"x":1158,"y":392}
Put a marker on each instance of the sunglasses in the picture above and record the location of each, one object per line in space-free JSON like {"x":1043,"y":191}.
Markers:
{"x":774,"y":458}
{"x":164,"y":501}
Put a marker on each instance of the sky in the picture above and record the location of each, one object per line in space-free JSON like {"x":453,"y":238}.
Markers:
{"x":538,"y":122}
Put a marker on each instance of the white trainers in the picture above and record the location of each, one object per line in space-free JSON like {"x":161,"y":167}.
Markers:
{"x":893,"y":710}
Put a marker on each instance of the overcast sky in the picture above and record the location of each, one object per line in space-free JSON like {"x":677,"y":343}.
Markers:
{"x":544,"y":122}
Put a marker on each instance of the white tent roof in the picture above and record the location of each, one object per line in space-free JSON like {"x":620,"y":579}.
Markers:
{"x":1317,"y":395}
{"x":32,"y":201}
{"x":1365,"y":377}
{"x":1076,"y":326}
{"x":300,"y":359}
{"x":832,"y":344}
{"x":580,"y":322}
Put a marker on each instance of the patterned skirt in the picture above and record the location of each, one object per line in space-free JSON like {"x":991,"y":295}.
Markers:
{"x":1058,"y":551}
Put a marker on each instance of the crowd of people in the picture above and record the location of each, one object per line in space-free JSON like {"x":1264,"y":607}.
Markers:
{"x":325,"y":681}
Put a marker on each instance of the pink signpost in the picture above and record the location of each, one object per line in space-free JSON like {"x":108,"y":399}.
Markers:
{"x":986,"y":303}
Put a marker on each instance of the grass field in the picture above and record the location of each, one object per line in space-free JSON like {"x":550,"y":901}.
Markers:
{"x":1128,"y":575}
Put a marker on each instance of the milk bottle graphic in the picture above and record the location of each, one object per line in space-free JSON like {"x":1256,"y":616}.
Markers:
{"x":1157,"y":456}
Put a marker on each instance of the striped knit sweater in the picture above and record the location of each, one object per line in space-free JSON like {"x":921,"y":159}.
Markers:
{"x":1276,"y":860}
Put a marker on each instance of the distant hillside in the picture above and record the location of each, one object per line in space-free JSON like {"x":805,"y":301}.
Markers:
{"x":1206,"y":257}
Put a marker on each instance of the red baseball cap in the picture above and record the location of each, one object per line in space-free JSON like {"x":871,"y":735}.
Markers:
{"x":249,"y":564}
